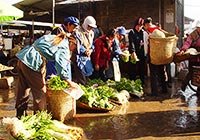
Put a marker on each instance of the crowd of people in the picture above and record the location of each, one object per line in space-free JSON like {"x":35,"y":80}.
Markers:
{"x":79,"y":52}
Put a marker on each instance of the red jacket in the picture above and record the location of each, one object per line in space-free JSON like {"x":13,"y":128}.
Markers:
{"x":101,"y":53}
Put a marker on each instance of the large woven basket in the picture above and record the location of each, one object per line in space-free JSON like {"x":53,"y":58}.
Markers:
{"x":162,"y":50}
{"x":196,"y":76}
{"x":61,"y":105}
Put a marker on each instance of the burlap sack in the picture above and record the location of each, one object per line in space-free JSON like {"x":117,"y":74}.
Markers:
{"x":61,"y":105}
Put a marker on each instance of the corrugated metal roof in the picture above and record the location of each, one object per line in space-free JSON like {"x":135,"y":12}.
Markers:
{"x":63,"y":8}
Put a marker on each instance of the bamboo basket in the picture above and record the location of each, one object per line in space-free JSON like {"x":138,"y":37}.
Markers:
{"x":162,"y":50}
{"x":61,"y":105}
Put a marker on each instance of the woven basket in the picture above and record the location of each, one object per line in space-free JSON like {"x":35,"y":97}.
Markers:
{"x":162,"y":50}
{"x":61,"y":105}
{"x":196,"y":76}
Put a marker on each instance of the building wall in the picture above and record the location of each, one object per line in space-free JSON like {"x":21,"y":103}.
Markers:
{"x":114,"y":13}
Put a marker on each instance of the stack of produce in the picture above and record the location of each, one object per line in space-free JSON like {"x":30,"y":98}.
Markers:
{"x":40,"y":127}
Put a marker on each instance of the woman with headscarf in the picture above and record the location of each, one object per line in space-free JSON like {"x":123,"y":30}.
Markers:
{"x":83,"y":66}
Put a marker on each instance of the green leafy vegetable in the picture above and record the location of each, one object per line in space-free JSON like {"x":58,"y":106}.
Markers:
{"x":55,"y":83}
{"x":41,"y":127}
{"x":97,"y":96}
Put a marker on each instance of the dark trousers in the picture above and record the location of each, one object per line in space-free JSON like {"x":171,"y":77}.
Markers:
{"x":168,"y":71}
{"x":78,"y":76}
{"x":137,"y":69}
{"x":99,"y":74}
{"x":30,"y":80}
{"x":157,"y":78}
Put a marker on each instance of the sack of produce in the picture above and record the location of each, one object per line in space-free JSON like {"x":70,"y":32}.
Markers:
{"x":60,"y":104}
{"x":162,"y":49}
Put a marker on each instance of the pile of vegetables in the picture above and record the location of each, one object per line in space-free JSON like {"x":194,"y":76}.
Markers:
{"x":133,"y":87}
{"x":40,"y":127}
{"x":95,"y":82}
{"x":97,"y":97}
{"x":99,"y":94}
{"x":55,"y":83}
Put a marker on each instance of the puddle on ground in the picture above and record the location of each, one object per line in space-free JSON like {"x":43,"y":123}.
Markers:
{"x":163,"y":117}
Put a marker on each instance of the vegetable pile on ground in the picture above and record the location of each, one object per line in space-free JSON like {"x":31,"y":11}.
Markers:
{"x":55,"y":83}
{"x":101,"y":94}
{"x":133,"y":87}
{"x":40,"y":127}
{"x":95,"y":82}
{"x":97,"y":96}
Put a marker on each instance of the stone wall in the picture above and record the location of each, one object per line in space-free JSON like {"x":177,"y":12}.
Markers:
{"x":114,"y":13}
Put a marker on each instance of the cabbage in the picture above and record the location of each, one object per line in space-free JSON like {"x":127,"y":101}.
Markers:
{"x":125,"y":58}
{"x":133,"y":60}
{"x":158,"y":33}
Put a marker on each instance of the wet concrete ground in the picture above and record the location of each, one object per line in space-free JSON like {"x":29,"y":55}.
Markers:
{"x":171,"y":116}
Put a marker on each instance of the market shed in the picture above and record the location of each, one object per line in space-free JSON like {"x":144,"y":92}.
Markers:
{"x":108,"y":13}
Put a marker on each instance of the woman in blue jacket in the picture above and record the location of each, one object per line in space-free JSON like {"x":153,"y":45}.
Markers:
{"x":32,"y":69}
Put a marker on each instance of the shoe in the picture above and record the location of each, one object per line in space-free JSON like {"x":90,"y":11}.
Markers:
{"x":20,"y":112}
